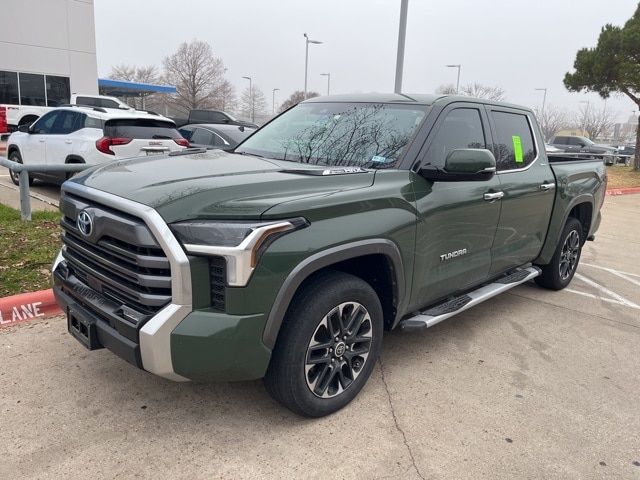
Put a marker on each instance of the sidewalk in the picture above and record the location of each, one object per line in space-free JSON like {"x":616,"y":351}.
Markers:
{"x":10,"y":196}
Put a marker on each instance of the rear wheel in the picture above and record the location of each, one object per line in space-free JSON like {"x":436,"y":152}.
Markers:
{"x":559,"y":272}
{"x":328,"y":345}
{"x":15,"y":176}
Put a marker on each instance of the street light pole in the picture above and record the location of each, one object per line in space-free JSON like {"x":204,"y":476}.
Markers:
{"x":544,"y":98}
{"x":402,"y":33}
{"x":273,"y":100}
{"x":306,"y":60}
{"x":251,"y":99}
{"x":328,"y":75}
{"x":459,"y":67}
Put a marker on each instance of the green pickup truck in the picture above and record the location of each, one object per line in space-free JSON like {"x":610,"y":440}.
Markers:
{"x":287,"y":258}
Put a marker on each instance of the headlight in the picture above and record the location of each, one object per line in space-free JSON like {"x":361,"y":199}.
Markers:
{"x":240,"y":243}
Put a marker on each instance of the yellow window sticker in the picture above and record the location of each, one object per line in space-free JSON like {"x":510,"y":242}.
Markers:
{"x":517,"y":148}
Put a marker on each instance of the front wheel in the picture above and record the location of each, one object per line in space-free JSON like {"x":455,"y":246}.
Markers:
{"x":559,"y":272}
{"x":328,"y":345}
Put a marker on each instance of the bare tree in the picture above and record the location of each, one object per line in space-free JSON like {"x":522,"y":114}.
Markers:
{"x":551,"y":120}
{"x":448,"y":89}
{"x":253,"y":103}
{"x":226,"y":96}
{"x":140,"y":74}
{"x":595,"y":123}
{"x":197,"y":74}
{"x":483,"y":91}
{"x":295,"y":98}
{"x":476,"y":90}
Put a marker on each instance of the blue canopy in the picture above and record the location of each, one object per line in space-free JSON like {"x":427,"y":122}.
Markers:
{"x":122,"y":88}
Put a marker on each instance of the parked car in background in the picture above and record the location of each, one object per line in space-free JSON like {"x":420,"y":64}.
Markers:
{"x":215,"y":136}
{"x":551,"y":149}
{"x":212,"y":117}
{"x":580,"y":145}
{"x":99,"y":101}
{"x":92,"y":135}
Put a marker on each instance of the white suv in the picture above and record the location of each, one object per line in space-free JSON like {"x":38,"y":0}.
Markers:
{"x":92,"y":135}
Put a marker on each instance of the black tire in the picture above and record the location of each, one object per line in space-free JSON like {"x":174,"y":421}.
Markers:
{"x":15,"y":177}
{"x":299,"y":364}
{"x":559,"y":272}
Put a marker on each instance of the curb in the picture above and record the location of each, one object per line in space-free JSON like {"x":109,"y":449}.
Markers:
{"x":623,"y":191}
{"x":28,"y":306}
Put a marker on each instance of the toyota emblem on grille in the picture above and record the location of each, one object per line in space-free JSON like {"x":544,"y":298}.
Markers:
{"x":84,"y":223}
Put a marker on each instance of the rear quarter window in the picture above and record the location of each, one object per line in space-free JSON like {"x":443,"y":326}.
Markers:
{"x":514,"y":144}
{"x":141,"y":128}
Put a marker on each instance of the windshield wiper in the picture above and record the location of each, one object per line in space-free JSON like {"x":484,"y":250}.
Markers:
{"x":249,"y":153}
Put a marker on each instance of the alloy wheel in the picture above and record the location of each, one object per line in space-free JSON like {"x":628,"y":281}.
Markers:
{"x":338,"y":349}
{"x":569,"y":254}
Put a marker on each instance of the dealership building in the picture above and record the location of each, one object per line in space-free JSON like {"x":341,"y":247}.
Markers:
{"x":47,"y":51}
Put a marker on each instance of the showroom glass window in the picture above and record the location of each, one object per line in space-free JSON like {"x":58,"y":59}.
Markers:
{"x":32,"y":89}
{"x":9,"y":87}
{"x":58,"y":91}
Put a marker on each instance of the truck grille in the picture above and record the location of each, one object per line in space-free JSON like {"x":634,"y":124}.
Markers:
{"x":119,"y":258}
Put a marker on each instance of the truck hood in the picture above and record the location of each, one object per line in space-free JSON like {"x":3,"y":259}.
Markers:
{"x":217,"y":184}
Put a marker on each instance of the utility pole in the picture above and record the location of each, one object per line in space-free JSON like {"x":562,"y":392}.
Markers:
{"x":459,"y":67}
{"x":306,"y":60}
{"x":544,"y":98}
{"x":328,"y":75}
{"x":402,"y":33}
{"x":273,"y":101}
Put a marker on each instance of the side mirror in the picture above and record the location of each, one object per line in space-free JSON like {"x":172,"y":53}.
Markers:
{"x":463,"y":165}
{"x":25,"y":128}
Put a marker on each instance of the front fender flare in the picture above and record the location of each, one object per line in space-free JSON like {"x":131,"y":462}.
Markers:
{"x":324,"y":259}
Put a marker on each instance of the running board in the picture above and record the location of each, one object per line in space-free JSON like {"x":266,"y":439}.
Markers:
{"x":432,"y":316}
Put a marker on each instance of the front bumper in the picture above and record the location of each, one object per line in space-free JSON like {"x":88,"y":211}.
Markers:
{"x":205,"y":345}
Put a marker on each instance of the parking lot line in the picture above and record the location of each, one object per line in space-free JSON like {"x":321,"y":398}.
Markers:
{"x":605,"y":290}
{"x":610,"y":300}
{"x":625,"y":275}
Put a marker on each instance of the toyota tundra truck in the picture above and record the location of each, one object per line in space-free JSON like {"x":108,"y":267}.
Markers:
{"x":289,"y":256}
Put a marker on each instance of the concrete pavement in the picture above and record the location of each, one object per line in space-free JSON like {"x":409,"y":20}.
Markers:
{"x":531,"y":384}
{"x":43,"y":196}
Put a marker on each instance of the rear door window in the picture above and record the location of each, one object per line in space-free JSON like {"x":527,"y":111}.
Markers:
{"x":141,"y":128}
{"x":202,"y":137}
{"x":514,"y":147}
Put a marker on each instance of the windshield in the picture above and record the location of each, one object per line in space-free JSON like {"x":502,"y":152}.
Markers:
{"x":338,"y":134}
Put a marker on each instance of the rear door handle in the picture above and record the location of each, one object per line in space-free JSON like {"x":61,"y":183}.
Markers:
{"x":489,"y":197}
{"x":68,"y":142}
{"x":547,"y":186}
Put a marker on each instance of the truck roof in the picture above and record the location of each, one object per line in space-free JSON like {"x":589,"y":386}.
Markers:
{"x":406,"y":98}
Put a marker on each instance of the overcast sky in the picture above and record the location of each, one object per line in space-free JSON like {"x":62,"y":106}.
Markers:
{"x":518,"y":45}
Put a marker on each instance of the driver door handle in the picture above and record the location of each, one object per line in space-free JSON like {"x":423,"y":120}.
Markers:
{"x":547,"y":186}
{"x":489,"y":197}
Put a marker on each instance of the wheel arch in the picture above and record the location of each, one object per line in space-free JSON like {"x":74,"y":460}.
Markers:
{"x":13,"y":148}
{"x":74,"y":159}
{"x":578,"y":206}
{"x":583,"y":212}
{"x":28,"y":118}
{"x":357,"y":258}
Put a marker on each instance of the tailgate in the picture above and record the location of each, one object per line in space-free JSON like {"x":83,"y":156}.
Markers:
{"x":143,"y":136}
